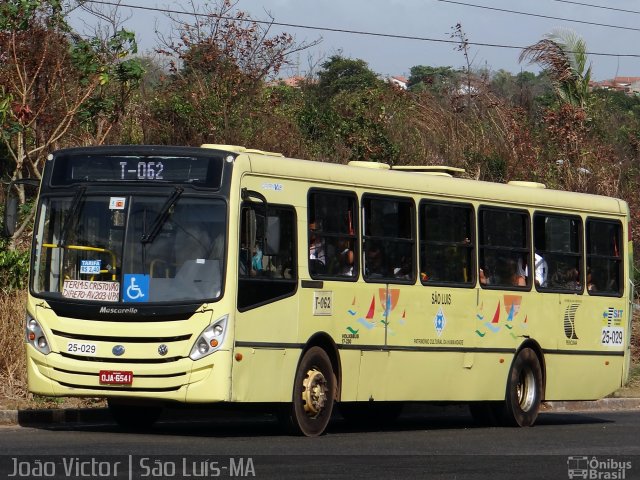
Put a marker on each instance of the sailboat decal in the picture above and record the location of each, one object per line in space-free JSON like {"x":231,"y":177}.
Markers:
{"x":372,"y":308}
{"x":496,"y":316}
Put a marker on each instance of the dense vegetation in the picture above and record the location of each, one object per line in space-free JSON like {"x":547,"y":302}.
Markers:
{"x":212,"y":81}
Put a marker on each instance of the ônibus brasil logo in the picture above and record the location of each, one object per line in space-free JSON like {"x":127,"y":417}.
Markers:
{"x":597,"y":468}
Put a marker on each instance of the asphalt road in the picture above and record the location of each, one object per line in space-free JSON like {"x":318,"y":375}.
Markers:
{"x":436,"y":444}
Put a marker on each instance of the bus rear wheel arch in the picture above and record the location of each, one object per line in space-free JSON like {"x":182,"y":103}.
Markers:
{"x":524,"y":391}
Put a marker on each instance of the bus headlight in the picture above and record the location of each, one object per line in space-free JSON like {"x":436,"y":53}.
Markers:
{"x":35,"y":336}
{"x":210,"y":339}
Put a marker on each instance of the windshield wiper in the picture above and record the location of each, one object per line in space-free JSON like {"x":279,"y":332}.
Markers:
{"x":73,"y":212}
{"x":163,"y":214}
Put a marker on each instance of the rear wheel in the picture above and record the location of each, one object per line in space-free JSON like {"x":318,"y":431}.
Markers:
{"x":524,"y":391}
{"x":134,"y":417}
{"x":314,"y":392}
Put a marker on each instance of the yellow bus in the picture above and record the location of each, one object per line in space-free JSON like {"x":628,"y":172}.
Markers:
{"x":221,"y":274}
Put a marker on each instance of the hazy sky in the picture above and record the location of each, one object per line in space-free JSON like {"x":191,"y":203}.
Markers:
{"x":433,"y":19}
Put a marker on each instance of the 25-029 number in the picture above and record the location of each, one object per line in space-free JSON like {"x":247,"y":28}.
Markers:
{"x":82,"y":348}
{"x":612,"y":336}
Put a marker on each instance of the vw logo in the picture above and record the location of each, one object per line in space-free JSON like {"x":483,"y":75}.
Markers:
{"x":117,"y":350}
{"x":163,"y":349}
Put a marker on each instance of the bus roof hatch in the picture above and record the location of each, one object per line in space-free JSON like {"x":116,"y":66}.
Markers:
{"x":442,"y":170}
{"x":239,"y":149}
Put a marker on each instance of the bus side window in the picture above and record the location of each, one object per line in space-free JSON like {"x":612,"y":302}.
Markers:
{"x":503,"y":237}
{"x":389,"y":239}
{"x":558,"y":252}
{"x":604,"y":257}
{"x":446,"y":243}
{"x":332,"y":234}
{"x":267,"y":264}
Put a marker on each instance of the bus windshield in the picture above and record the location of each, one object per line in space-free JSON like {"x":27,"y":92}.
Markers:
{"x":151,"y":248}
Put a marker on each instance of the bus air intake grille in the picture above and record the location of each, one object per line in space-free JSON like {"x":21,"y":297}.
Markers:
{"x":99,"y":338}
{"x":119,"y":389}
{"x":121,"y":360}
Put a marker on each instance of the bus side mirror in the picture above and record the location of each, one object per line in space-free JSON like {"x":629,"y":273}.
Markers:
{"x":10,"y":216}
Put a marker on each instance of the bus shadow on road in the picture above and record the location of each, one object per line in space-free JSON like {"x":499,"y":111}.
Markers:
{"x":252,"y":423}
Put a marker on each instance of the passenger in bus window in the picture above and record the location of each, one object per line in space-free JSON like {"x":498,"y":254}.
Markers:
{"x":256,"y":260}
{"x":573,"y":279}
{"x":541,"y":269}
{"x":404,"y":271}
{"x":374,"y":264}
{"x":508,"y":274}
{"x":517,"y":280}
{"x":316,"y":245}
{"x":566,"y":278}
{"x":591,"y":286}
{"x":345,"y":258}
{"x":482,"y":277}
{"x":523,"y":266}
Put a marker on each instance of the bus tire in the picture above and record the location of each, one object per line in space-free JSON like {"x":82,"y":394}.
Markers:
{"x":524,"y":391}
{"x":314,"y":392}
{"x":134,"y":417}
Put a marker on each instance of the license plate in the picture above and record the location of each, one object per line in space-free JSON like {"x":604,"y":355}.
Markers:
{"x":112,"y":377}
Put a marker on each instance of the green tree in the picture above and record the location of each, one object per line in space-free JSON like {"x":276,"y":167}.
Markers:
{"x":119,"y":74}
{"x":50,"y":76}
{"x":340,"y":74}
{"x":218,"y":68}
{"x":53,"y":79}
{"x":349,"y":113}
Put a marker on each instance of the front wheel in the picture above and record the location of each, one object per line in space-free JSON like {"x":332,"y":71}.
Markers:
{"x":524,"y":391}
{"x":314,"y":391}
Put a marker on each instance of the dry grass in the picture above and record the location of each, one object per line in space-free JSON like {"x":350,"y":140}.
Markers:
{"x":13,"y":375}
{"x":632,"y":389}
{"x":13,"y":371}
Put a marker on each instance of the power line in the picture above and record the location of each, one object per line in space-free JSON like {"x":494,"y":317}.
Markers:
{"x":516,"y":12}
{"x":340,"y":30}
{"x":598,"y":6}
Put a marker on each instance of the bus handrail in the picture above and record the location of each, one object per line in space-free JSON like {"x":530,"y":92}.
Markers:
{"x":87,"y":249}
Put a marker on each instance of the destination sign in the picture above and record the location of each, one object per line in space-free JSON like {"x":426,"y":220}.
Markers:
{"x":86,"y":168}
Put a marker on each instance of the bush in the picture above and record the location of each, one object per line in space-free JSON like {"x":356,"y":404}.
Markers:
{"x":14,"y":270}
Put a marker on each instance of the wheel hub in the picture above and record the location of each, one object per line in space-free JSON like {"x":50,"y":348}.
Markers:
{"x":526,"y":390}
{"x":314,"y":393}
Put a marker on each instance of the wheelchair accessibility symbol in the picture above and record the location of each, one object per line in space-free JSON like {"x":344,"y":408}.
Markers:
{"x":136,"y":288}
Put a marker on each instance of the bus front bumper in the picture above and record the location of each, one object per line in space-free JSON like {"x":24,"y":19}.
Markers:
{"x":205,"y":380}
